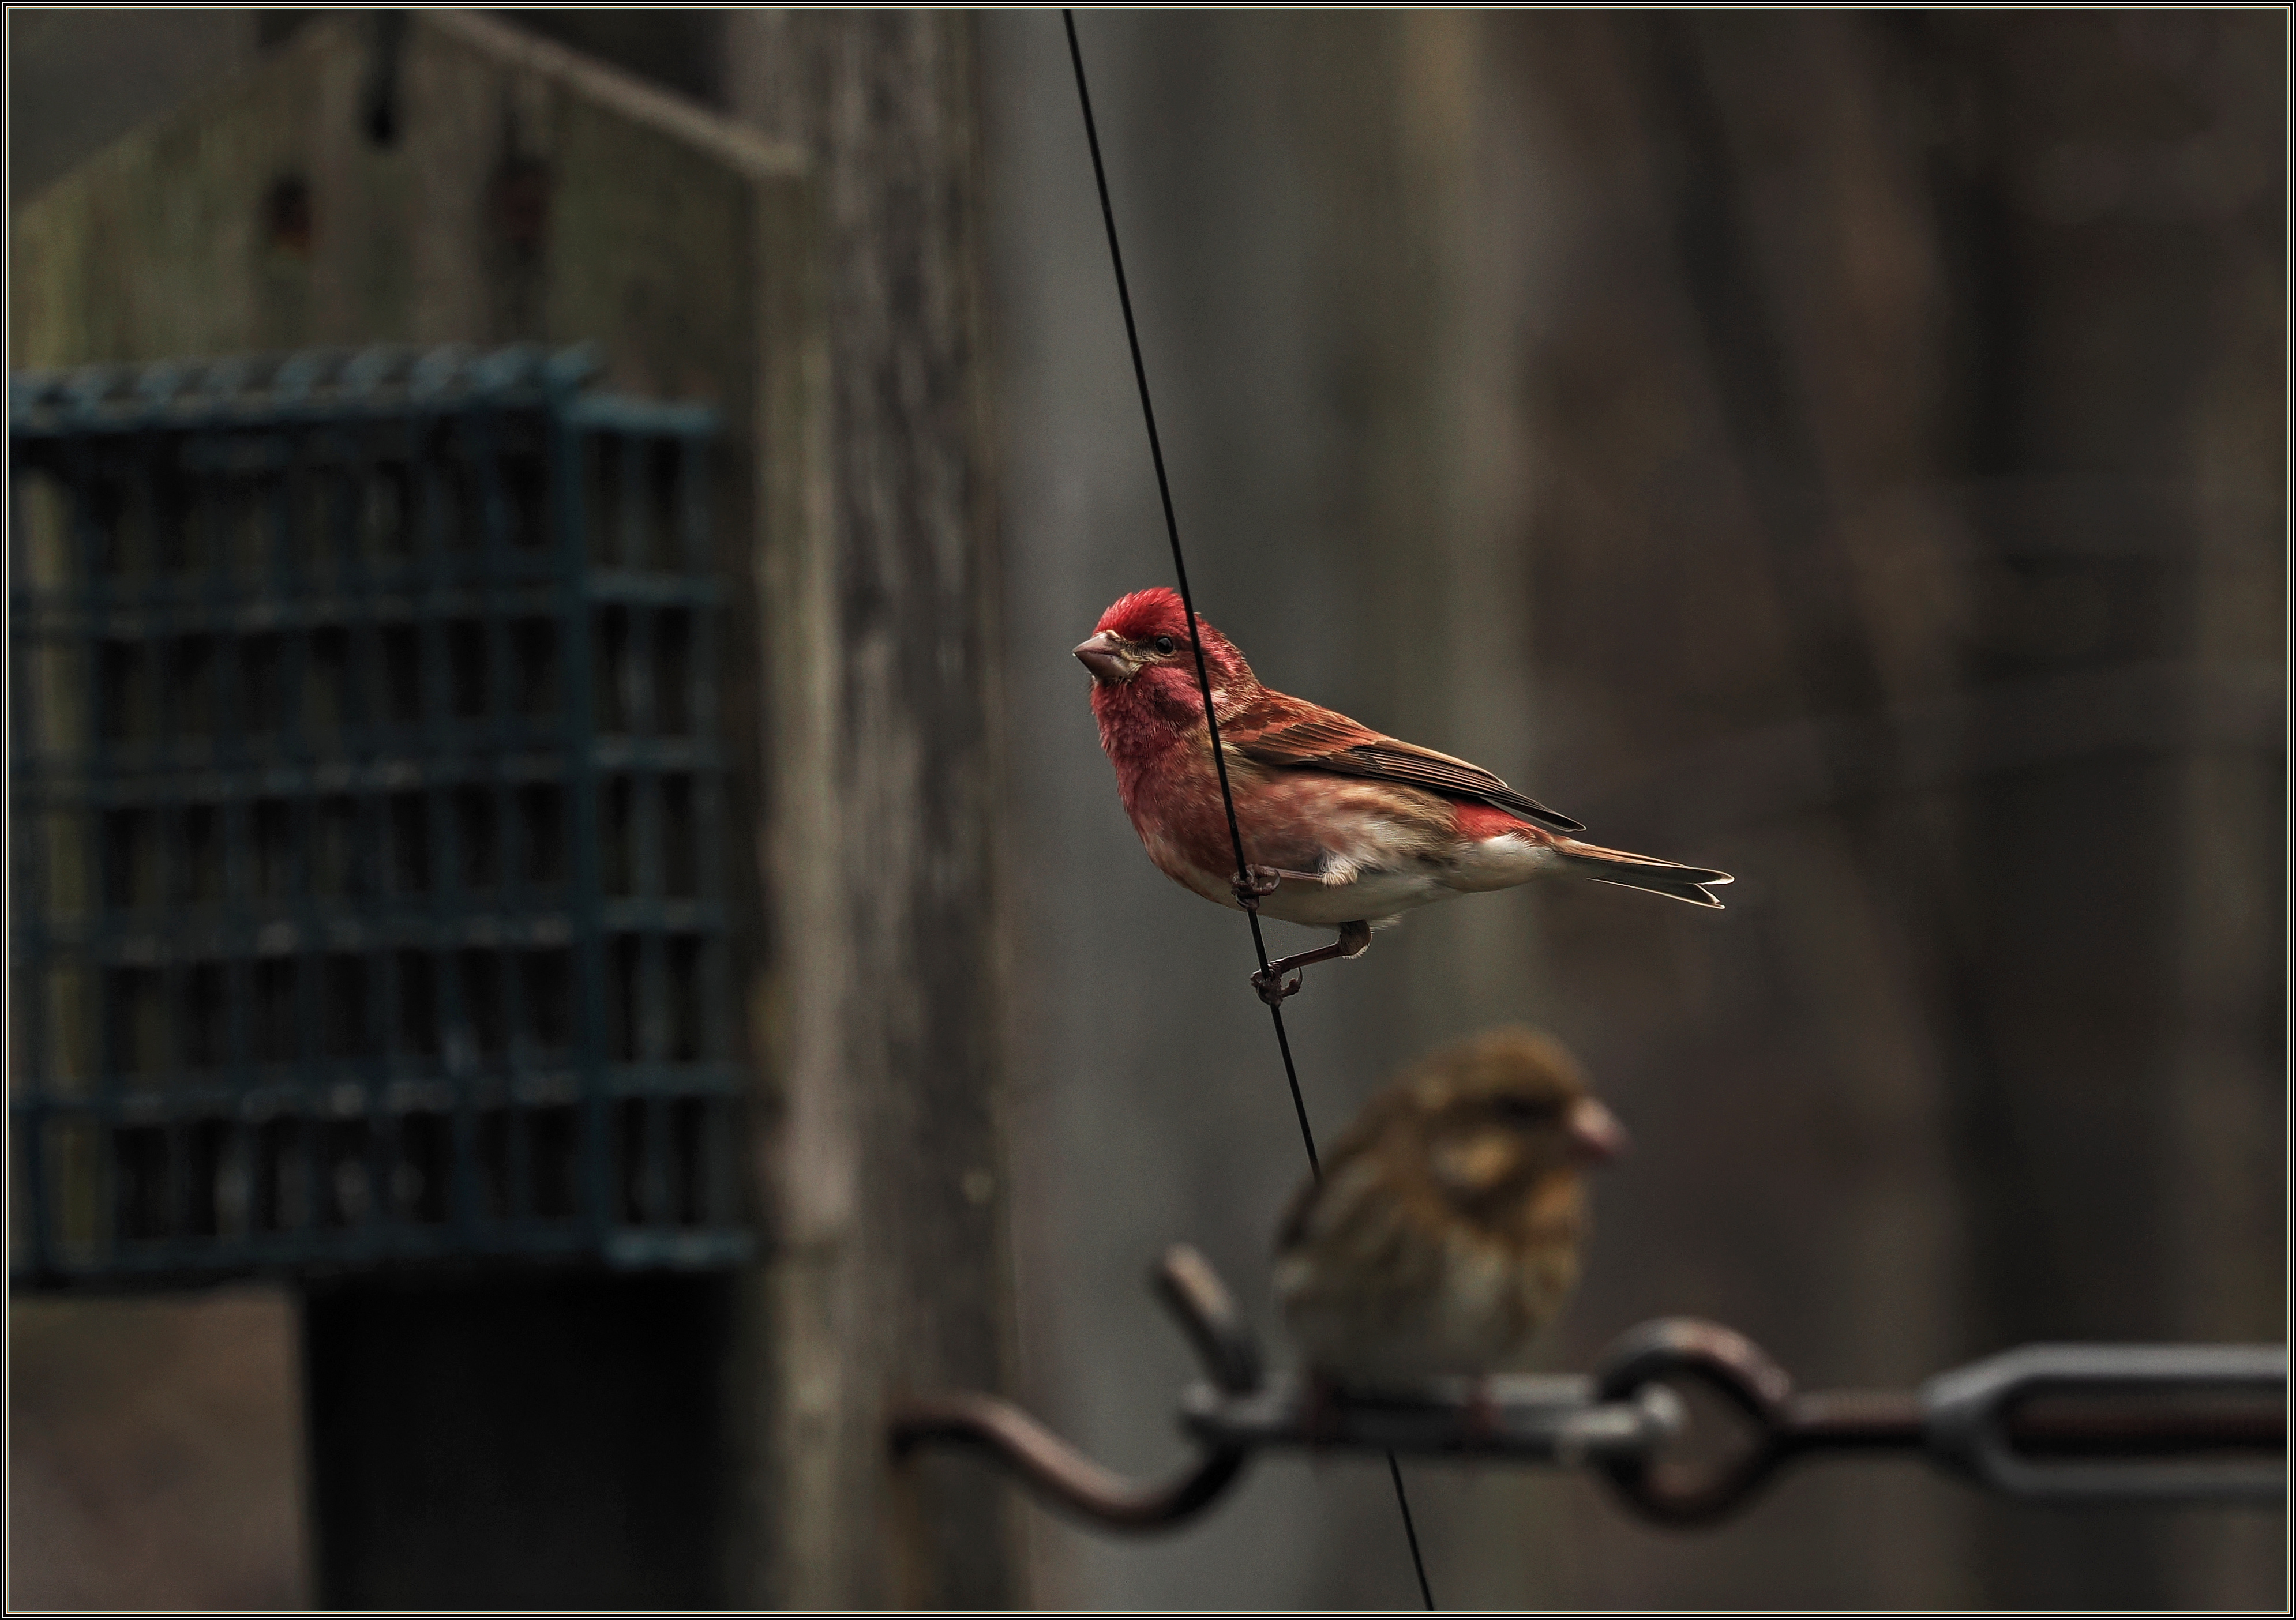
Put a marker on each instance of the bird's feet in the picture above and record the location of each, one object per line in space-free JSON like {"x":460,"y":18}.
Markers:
{"x":1272,"y":986}
{"x":1254,"y":884}
{"x":1354,"y":940}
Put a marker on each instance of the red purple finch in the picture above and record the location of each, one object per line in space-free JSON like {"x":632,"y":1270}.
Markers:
{"x":1343,"y":827}
{"x":1445,"y":1233}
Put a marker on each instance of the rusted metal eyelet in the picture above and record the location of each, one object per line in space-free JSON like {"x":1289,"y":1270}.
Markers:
{"x":1730,"y":1364}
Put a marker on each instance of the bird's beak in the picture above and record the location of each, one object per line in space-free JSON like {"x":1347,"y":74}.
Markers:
{"x":1596,"y":1134}
{"x":1099,"y":654}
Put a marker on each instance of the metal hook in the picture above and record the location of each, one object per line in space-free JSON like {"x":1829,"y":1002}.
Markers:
{"x":1184,"y":1281}
{"x":1545,"y":1419}
{"x":1199,"y":1301}
{"x":2058,"y":1422}
{"x":1057,"y":1469}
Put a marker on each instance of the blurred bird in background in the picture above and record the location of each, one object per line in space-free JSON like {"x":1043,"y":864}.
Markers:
{"x":1444,"y":1232}
{"x":1343,"y":827}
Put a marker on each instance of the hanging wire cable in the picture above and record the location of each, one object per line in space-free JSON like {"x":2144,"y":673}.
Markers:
{"x":1180,"y":569}
{"x":1204,"y":685}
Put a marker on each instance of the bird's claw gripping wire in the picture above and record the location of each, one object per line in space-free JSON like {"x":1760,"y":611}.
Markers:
{"x":1274,"y":988}
{"x":1354,"y":940}
{"x":1257,"y":883}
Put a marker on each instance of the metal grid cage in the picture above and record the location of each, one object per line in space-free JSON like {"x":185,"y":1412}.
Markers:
{"x":366,"y":814}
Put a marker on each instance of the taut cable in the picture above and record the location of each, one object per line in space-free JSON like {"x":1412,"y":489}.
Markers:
{"x":1204,"y":685}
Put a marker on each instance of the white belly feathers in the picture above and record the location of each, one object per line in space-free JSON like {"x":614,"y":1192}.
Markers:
{"x":1392,"y":880}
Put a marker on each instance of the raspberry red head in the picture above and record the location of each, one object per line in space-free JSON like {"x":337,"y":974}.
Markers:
{"x":1145,"y":614}
{"x":1141,"y":649}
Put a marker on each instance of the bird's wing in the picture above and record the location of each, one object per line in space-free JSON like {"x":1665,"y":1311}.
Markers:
{"x":1275,"y":730}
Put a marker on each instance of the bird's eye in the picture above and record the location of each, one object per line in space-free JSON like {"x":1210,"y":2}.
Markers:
{"x":1527,"y":1111}
{"x":1165,"y":643}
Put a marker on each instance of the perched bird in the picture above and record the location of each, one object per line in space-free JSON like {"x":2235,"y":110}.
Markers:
{"x":1444,"y":1232}
{"x":1343,"y":827}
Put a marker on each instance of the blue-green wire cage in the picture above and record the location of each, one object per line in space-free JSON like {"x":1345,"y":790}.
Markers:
{"x":367,"y":810}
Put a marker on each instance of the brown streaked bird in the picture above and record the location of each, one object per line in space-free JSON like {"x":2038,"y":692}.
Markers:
{"x":1445,"y":1233}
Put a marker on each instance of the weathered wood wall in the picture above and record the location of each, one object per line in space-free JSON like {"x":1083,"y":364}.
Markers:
{"x":439,"y":177}
{"x":893,"y":1273}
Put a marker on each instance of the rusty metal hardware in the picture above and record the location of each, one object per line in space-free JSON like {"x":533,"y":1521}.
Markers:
{"x":2069,"y":1423}
{"x":1057,"y":1471}
{"x":1188,"y":1287}
{"x":2047,"y":1422}
{"x":1517,"y":1418}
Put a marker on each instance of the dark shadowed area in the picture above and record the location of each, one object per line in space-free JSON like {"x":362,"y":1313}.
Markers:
{"x":1847,"y":450}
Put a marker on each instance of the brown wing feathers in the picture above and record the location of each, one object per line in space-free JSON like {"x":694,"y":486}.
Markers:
{"x":1323,"y":741}
{"x":1424,"y":769}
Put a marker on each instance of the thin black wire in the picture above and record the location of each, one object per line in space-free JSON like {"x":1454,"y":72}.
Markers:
{"x":1410,"y":1531}
{"x":1204,"y":685}
{"x":1180,"y":569}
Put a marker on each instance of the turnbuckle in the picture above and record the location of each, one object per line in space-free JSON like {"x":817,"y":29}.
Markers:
{"x":2068,"y":1423}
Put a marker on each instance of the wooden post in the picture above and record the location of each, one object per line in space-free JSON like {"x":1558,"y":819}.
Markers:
{"x":892,"y":1272}
{"x":429,"y":177}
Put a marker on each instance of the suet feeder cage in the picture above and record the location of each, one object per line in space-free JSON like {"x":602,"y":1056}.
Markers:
{"x":365,"y":790}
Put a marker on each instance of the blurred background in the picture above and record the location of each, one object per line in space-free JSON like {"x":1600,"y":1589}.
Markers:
{"x":1846,"y":450}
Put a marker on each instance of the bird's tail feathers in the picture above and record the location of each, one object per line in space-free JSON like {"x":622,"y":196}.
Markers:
{"x":1671,"y":878}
